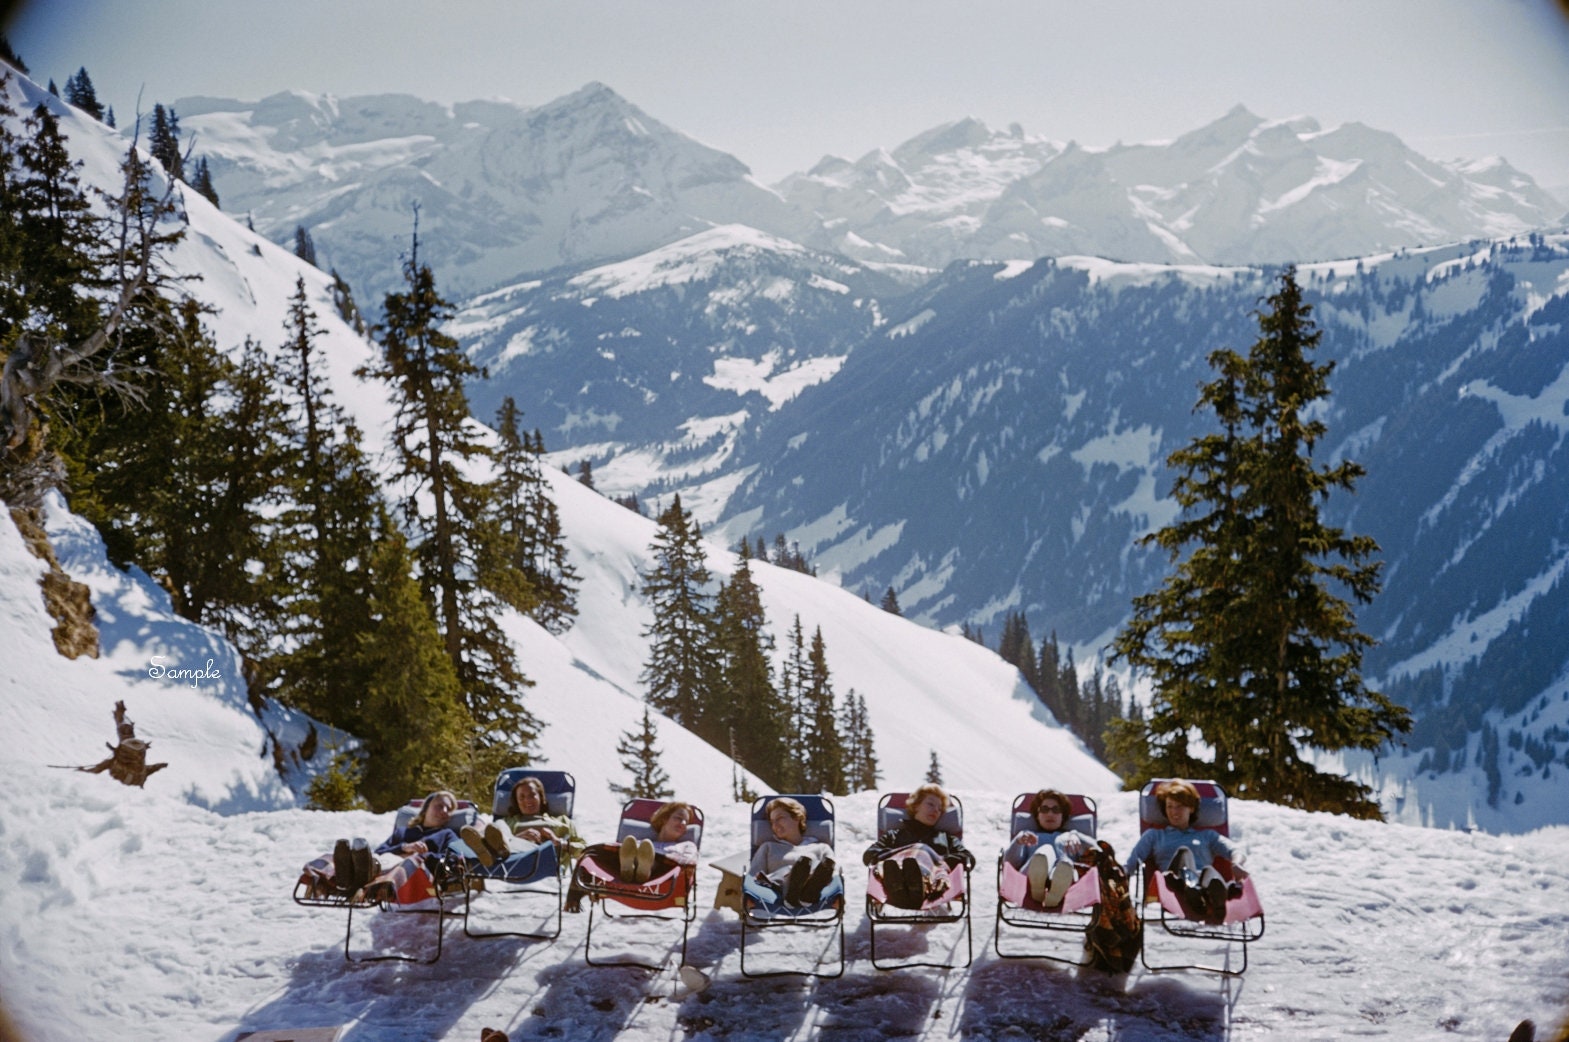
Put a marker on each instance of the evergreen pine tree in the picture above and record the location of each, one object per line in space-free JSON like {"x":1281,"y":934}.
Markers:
{"x":343,"y":301}
{"x":640,"y":758}
{"x":890,"y":602}
{"x":1068,"y":692}
{"x":1250,"y":648}
{"x":1017,"y":647}
{"x":435,"y":447}
{"x":934,"y":770}
{"x":79,"y":92}
{"x":682,"y":669}
{"x":861,"y":772}
{"x":824,"y":745}
{"x":11,"y":58}
{"x":304,"y":246}
{"x":529,"y":526}
{"x":744,"y":702}
{"x":1048,"y":668}
{"x":202,"y":182}
{"x":76,"y":338}
{"x":53,"y":258}
{"x":163,"y":142}
{"x":793,"y":682}
{"x":414,"y":723}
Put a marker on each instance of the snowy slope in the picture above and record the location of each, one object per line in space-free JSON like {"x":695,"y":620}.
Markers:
{"x":923,"y":691}
{"x":135,"y":916}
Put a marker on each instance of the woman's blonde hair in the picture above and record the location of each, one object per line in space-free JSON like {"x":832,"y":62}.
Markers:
{"x":531,"y":783}
{"x":657,"y":820}
{"x":419,"y":819}
{"x":923,"y":791}
{"x":797,"y":811}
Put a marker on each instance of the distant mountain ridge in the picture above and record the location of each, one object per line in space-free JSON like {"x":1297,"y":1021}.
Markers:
{"x":506,"y":191}
{"x":503,"y":190}
{"x":1241,"y":190}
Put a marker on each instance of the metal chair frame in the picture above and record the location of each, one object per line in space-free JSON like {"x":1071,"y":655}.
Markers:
{"x":890,"y":811}
{"x":1085,"y":818}
{"x":678,"y":892}
{"x":820,"y":819}
{"x":1214,"y":813}
{"x":560,"y":796}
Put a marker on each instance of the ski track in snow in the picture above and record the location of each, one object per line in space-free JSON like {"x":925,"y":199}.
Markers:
{"x":131,"y":914}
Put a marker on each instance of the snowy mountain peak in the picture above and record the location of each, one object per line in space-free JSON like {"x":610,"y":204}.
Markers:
{"x":950,"y":137}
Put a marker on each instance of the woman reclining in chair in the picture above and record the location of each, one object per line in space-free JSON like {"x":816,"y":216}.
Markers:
{"x":418,"y":846}
{"x":790,"y":867}
{"x":1187,"y":855}
{"x":636,"y":861}
{"x":528,"y":824}
{"x":914,"y":860}
{"x":1050,"y":869}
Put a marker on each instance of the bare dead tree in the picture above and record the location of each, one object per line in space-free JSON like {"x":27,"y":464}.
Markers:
{"x":38,"y":362}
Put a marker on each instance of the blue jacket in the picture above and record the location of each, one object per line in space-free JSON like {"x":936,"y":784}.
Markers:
{"x":1161,"y":845}
{"x":438,"y":839}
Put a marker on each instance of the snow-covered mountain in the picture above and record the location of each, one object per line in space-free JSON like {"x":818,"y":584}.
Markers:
{"x":507,"y":192}
{"x":1241,"y":190}
{"x":1000,"y":446}
{"x":501,"y":189}
{"x":656,"y":364}
{"x":586,"y":682}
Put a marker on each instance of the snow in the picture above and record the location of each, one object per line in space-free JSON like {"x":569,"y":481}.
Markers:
{"x":690,"y":260}
{"x":132,"y":914}
{"x":763,"y":375}
{"x":163,"y":912}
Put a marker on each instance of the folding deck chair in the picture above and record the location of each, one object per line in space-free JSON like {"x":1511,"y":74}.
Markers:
{"x":671,"y":896}
{"x":1244,"y":922}
{"x":1018,"y":910}
{"x":951,"y":906}
{"x":763,"y":909}
{"x":529,"y":873}
{"x":421,"y":894}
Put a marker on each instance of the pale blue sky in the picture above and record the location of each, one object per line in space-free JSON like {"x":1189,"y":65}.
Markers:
{"x":779,"y":85}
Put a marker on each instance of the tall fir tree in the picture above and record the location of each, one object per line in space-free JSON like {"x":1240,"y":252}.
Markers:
{"x":823,"y":747}
{"x":1251,"y":648}
{"x":798,"y":714}
{"x":934,"y":769}
{"x":413,"y":720}
{"x":79,"y":92}
{"x":435,"y":449}
{"x":745,"y":702}
{"x":304,"y":245}
{"x":639,"y":752}
{"x":529,"y":526}
{"x":861,"y":771}
{"x":163,"y":142}
{"x":202,"y":182}
{"x":683,"y":665}
{"x":1016,"y":647}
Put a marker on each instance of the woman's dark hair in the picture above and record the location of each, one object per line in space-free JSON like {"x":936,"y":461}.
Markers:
{"x":532,"y":783}
{"x":1046,"y":796}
